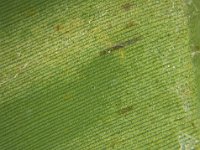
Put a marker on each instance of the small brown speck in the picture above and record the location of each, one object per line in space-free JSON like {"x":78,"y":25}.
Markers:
{"x":110,"y":25}
{"x":126,"y":6}
{"x":130,"y":24}
{"x":193,"y":125}
{"x":197,"y":47}
{"x":66,"y":32}
{"x":58,"y":27}
{"x":31,"y":12}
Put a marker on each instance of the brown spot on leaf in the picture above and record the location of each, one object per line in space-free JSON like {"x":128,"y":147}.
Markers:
{"x":125,"y":110}
{"x":58,"y":27}
{"x":116,"y":141}
{"x":126,"y":6}
{"x":30,"y":12}
{"x":110,"y":25}
{"x":197,"y":48}
{"x":130,"y":24}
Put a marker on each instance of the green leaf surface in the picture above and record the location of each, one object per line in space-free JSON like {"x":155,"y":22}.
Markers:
{"x":99,"y":74}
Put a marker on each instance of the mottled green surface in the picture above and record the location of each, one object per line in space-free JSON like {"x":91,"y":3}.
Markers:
{"x":194,"y":13}
{"x":57,"y":90}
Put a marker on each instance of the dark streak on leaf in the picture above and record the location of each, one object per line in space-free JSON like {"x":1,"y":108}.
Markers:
{"x":119,"y":46}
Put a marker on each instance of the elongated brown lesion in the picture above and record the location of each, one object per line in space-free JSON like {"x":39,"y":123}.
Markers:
{"x":125,"y":110}
{"x":119,"y":46}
